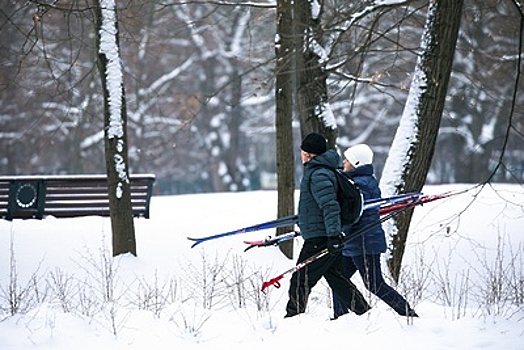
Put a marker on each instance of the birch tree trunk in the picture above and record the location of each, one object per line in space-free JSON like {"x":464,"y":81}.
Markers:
{"x":413,"y":146}
{"x":115,"y":129}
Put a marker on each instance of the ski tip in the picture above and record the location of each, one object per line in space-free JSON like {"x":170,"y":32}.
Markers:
{"x":195,"y":244}
{"x":249,"y":247}
{"x":195,"y":240}
{"x":253,"y":244}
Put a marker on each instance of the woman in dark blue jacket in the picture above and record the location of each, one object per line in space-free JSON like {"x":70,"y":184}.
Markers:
{"x":362,"y":253}
{"x":319,"y":222}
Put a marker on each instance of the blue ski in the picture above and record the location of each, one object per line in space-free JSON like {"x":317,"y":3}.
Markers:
{"x":281,"y":222}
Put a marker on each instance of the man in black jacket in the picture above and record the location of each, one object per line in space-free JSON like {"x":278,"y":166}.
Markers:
{"x":319,"y":222}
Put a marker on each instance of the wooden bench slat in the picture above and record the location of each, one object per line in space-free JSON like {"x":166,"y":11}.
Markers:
{"x":67,"y":195}
{"x":89,"y":204}
{"x":91,"y":190}
{"x":86,"y":196}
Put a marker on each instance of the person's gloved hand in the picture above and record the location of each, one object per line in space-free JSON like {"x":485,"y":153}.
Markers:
{"x":335,"y":244}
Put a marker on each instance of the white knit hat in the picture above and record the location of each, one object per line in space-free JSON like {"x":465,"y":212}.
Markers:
{"x":358,"y":155}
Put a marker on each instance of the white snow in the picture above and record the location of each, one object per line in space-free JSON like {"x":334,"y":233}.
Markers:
{"x":326,"y":116}
{"x":315,"y":9}
{"x":172,"y":296}
{"x":406,"y":135}
{"x":108,"y":46}
{"x":114,"y":85}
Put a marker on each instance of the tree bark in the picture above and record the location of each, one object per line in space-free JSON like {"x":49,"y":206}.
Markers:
{"x":284,"y":117}
{"x":439,"y":41}
{"x":313,"y":107}
{"x":115,"y":132}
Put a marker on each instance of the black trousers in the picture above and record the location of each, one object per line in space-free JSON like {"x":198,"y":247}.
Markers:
{"x":369,"y":268}
{"x":331,"y":268}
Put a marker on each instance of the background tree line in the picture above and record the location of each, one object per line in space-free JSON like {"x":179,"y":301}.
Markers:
{"x":200,"y":80}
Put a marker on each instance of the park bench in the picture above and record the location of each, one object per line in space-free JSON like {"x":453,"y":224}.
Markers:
{"x":35,"y":197}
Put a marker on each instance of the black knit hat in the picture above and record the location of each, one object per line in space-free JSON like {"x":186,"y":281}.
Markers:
{"x":314,"y":143}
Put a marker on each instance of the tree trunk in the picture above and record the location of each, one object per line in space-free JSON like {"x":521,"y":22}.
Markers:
{"x":298,"y":53}
{"x":284,"y":117}
{"x":426,"y":99}
{"x":313,"y":108}
{"x":115,"y":126}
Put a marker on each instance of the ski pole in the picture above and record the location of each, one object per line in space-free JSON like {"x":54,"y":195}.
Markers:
{"x":276,"y":280}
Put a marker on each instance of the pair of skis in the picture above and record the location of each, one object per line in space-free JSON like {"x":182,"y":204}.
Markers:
{"x":383,"y":209}
{"x":291,"y":220}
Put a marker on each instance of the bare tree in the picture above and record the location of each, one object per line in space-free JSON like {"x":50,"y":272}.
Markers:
{"x":412,"y":150}
{"x":284,"y":49}
{"x":115,"y":129}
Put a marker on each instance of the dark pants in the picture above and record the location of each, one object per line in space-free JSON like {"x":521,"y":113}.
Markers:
{"x":369,"y":268}
{"x":330,"y":267}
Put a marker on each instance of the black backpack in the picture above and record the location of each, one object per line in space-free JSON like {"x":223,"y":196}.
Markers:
{"x":349,"y":198}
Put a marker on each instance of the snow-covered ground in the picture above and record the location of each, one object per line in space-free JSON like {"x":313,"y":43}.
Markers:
{"x":463,"y":272}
